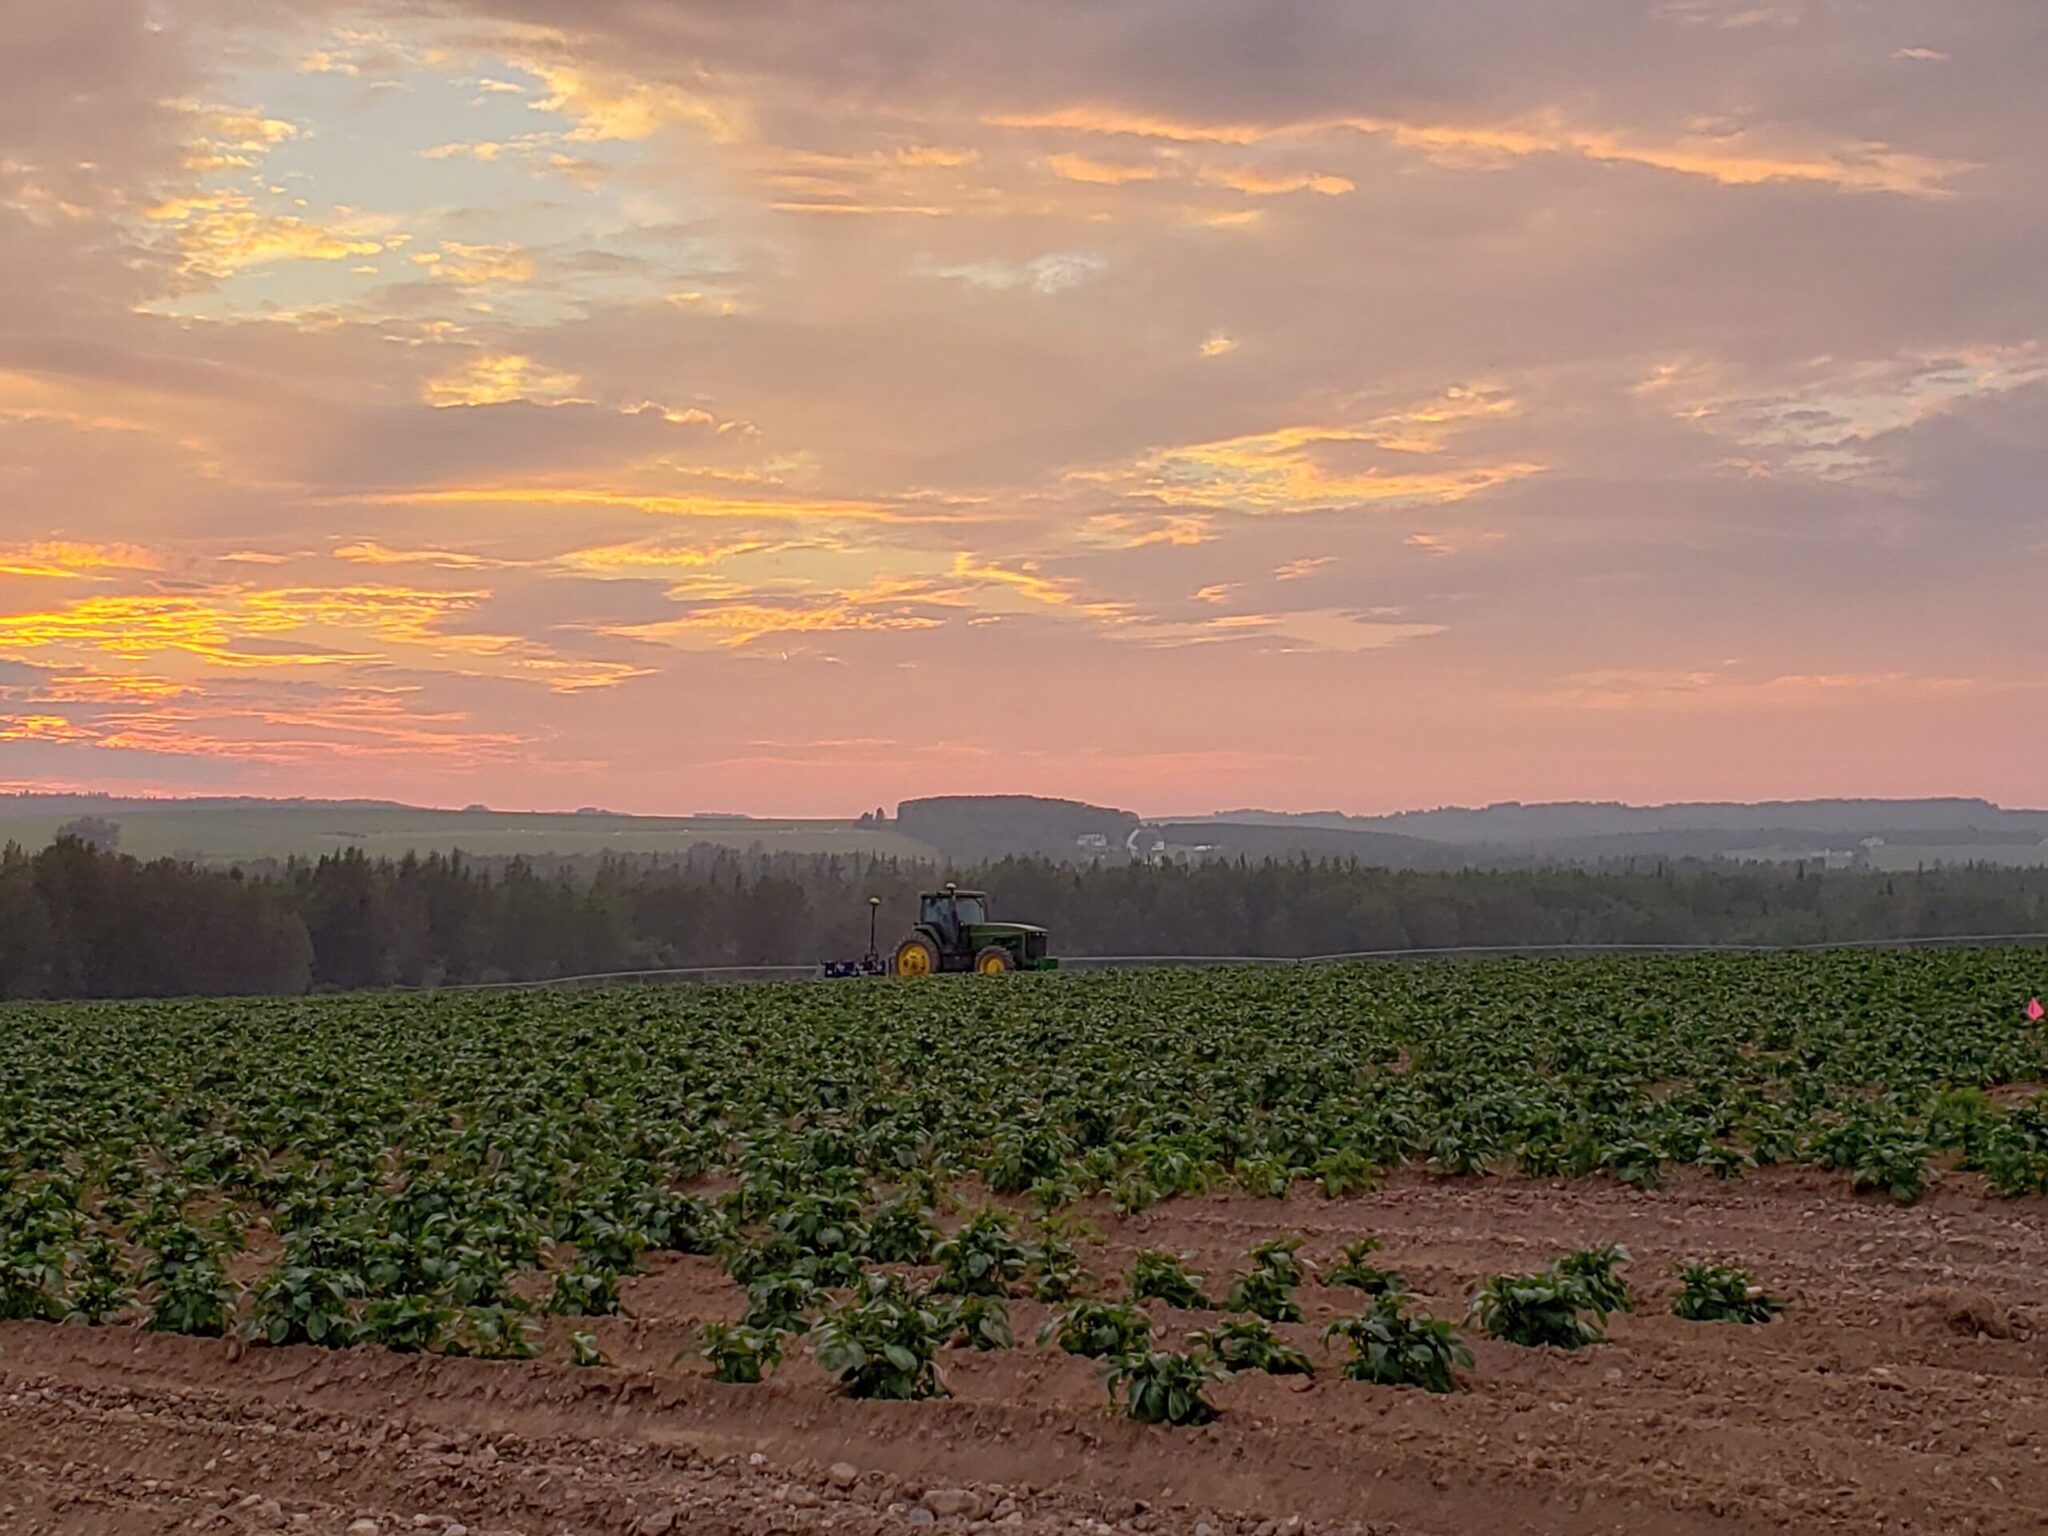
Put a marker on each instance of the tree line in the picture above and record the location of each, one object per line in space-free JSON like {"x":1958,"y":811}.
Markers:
{"x":78,"y":920}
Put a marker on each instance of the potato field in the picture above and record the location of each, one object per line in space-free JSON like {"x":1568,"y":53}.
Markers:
{"x":1707,"y":1243}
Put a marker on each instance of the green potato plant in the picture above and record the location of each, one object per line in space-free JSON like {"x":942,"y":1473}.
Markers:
{"x":1390,"y":1348}
{"x":1164,"y":1386}
{"x":1719,"y":1293}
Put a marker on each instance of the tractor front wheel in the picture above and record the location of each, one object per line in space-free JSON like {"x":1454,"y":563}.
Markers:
{"x":994,"y":960}
{"x":916,"y":956}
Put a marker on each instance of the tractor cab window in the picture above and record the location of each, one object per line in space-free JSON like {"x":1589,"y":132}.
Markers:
{"x":939,"y":910}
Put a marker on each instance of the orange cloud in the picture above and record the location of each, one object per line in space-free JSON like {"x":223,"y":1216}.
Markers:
{"x":653,"y":560}
{"x":476,"y":266}
{"x":1859,"y":167}
{"x":723,"y":507}
{"x":921,"y":210}
{"x":501,"y":378}
{"x":608,"y":106}
{"x":232,"y":138}
{"x":1275,"y":183}
{"x":344,"y":724}
{"x":67,"y":559}
{"x":1294,"y":570}
{"x":42,"y":728}
{"x":734,"y":624}
{"x":1075,"y":167}
{"x":1297,"y":469}
{"x":1114,"y":120}
{"x":1850,"y":168}
{"x":1126,"y":530}
{"x":944,"y":156}
{"x":370,"y":553}
{"x":109,"y":688}
{"x":293,"y":628}
{"x":214,"y":625}
{"x":220,"y":233}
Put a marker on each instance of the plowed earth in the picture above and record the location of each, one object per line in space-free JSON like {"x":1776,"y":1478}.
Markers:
{"x":1903,"y":1390}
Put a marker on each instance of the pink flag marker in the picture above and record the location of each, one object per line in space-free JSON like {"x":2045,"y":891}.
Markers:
{"x":2035,"y":1011}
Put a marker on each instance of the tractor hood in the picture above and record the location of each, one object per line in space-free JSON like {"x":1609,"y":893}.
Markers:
{"x":988,"y":933}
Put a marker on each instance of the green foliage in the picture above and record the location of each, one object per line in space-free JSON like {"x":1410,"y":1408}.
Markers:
{"x":31,"y":1286}
{"x":1267,"y":1176}
{"x":1164,"y":1387}
{"x":302,"y":1305}
{"x":584,"y":1289}
{"x":496,"y":1331}
{"x":1881,"y":1150}
{"x":1345,"y":1171}
{"x":825,"y":1226}
{"x":1595,"y":1271}
{"x":884,"y":1342}
{"x":983,"y":1258}
{"x":1539,"y":1309}
{"x":1718,"y":1293}
{"x":1267,"y":1289}
{"x":1098,"y":1328}
{"x":1392,"y":1349}
{"x":408,"y":1324}
{"x":742,"y":1352}
{"x":1055,"y":1269}
{"x":1157,"y":1275}
{"x":983,"y":1322}
{"x":418,"y":1160}
{"x":902,"y":1231}
{"x":191,"y":1289}
{"x":1249,"y":1344}
{"x":783,"y":1302}
{"x":584,"y":1351}
{"x":1022,"y":1155}
{"x":1355,"y":1270}
{"x":99,"y":1283}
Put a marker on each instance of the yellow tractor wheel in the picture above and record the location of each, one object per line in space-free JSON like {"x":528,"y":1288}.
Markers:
{"x":916,"y":957}
{"x":994,"y":960}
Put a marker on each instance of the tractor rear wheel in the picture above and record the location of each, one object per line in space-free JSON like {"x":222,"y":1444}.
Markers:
{"x":916,"y":956}
{"x":994,"y":960}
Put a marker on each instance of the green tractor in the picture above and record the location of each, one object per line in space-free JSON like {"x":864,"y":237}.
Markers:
{"x":953,"y":933}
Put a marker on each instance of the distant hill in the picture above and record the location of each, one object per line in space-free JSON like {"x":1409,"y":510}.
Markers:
{"x":1909,"y":832}
{"x":974,"y":829}
{"x":254,"y":831}
{"x":1511,"y":821}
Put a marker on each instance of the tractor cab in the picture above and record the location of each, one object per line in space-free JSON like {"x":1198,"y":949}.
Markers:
{"x":947,"y":912}
{"x":954,"y":933}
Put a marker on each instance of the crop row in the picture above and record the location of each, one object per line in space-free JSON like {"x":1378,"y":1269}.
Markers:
{"x":418,"y":1165}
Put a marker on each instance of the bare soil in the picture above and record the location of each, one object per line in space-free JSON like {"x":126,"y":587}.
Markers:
{"x":1903,"y":1390}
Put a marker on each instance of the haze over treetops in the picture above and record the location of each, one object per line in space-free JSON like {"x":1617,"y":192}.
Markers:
{"x":792,"y":409}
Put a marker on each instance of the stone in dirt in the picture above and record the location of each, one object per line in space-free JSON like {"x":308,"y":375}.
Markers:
{"x":951,"y":1501}
{"x":843,"y":1474}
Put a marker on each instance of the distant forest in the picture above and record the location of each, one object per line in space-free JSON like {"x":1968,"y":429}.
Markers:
{"x":77,"y":920}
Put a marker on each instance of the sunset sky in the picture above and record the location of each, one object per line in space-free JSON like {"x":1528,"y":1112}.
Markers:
{"x":792,"y":407}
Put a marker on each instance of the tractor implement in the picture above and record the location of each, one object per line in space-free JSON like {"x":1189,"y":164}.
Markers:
{"x":869,"y":964}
